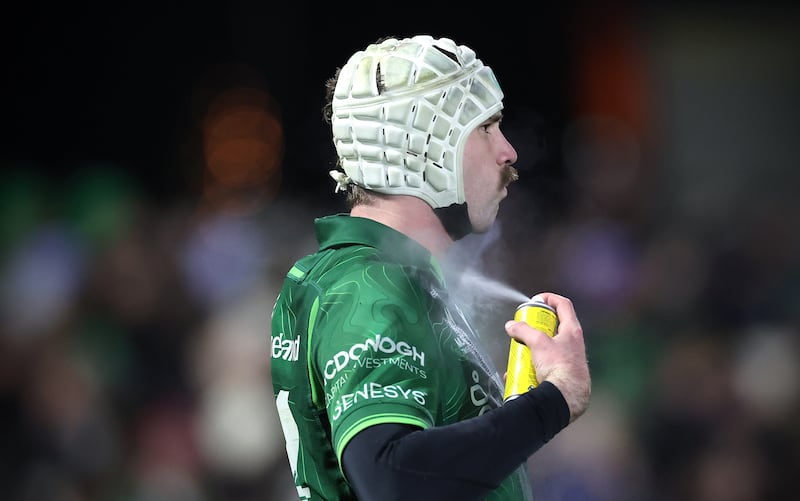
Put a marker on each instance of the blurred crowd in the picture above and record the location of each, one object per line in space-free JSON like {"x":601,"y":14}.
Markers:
{"x":134,"y":361}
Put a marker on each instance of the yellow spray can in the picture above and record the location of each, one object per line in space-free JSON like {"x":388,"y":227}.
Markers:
{"x":521,"y":376}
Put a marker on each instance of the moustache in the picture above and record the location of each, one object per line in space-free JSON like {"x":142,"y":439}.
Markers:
{"x":509,"y":175}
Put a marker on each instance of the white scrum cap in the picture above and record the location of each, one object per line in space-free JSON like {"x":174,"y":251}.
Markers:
{"x":402,"y":111}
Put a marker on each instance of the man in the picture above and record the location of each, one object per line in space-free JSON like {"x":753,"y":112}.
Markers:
{"x":381,"y":384}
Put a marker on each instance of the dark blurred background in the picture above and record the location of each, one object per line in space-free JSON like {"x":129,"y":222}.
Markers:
{"x":162,"y":165}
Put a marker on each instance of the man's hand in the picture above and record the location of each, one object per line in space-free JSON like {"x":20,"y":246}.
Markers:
{"x":562,"y":358}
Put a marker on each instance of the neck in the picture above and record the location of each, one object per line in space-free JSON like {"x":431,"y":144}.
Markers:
{"x":410,"y":216}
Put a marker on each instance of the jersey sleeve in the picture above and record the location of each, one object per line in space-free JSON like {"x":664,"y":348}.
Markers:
{"x":375,"y":352}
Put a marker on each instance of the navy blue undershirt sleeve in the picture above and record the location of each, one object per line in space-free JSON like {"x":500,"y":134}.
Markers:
{"x":462,"y":461}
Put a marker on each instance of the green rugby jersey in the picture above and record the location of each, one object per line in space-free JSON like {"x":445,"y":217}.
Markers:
{"x":363,"y":333}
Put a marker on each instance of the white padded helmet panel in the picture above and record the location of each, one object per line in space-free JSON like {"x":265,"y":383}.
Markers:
{"x":402,"y":111}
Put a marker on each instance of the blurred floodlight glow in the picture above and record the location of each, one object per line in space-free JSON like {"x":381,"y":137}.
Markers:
{"x":243,"y":146}
{"x":610,"y":70}
{"x":240,"y":162}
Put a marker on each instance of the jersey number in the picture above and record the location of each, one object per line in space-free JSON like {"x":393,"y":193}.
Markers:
{"x":292,"y":437}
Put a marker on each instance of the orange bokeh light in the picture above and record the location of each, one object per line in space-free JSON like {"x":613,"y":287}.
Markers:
{"x":243,"y":146}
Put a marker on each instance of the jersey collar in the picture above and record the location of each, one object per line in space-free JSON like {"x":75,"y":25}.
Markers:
{"x":341,"y":230}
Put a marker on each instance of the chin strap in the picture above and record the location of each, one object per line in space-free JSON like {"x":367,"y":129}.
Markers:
{"x":455,"y":219}
{"x":342,"y":180}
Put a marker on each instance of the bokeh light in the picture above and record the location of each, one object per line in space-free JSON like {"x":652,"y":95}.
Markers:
{"x":243,"y":144}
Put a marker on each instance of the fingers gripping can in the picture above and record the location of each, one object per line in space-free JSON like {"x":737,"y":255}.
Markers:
{"x":521,"y":376}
